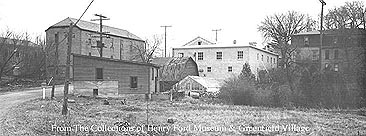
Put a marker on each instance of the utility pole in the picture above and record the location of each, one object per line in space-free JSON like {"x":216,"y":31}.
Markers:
{"x":100,"y":43}
{"x":67,"y":72}
{"x":321,"y":33}
{"x":165,"y":39}
{"x":216,"y":33}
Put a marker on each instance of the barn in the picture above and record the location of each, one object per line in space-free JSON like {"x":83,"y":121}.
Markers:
{"x":105,"y":76}
{"x":174,"y":69}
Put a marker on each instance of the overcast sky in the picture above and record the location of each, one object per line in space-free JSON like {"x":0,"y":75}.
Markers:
{"x":238,"y":19}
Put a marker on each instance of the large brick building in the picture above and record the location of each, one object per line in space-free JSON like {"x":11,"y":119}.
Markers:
{"x":225,"y":60}
{"x":342,"y":49}
{"x":119,"y":44}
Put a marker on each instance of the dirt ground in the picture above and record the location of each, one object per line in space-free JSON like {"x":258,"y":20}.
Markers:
{"x":91,"y":116}
{"x":10,"y":100}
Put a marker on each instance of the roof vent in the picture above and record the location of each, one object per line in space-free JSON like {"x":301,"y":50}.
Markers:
{"x":234,"y":42}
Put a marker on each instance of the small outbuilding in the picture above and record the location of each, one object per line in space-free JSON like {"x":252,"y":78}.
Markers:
{"x":104,"y":76}
{"x":197,"y":84}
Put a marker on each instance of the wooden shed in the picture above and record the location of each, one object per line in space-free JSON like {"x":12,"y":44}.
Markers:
{"x":104,"y":76}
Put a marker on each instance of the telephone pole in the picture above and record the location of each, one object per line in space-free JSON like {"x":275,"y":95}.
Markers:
{"x":100,"y":43}
{"x":216,"y":33}
{"x":165,"y":39}
{"x":67,"y":72}
{"x":321,"y":33}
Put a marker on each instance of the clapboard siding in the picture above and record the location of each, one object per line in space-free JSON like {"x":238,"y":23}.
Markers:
{"x":85,"y":69}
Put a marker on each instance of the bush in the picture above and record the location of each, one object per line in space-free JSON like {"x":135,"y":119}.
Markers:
{"x":238,"y":91}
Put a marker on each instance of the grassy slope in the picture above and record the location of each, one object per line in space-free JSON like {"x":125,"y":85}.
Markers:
{"x":38,"y":116}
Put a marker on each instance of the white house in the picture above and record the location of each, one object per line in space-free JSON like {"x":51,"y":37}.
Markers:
{"x":222,"y":61}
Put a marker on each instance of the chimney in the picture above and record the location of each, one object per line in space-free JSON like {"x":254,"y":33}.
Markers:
{"x":234,"y":42}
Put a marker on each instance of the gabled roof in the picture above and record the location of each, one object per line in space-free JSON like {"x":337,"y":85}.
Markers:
{"x":198,"y":38}
{"x":206,"y":81}
{"x":90,"y":26}
{"x":162,"y":61}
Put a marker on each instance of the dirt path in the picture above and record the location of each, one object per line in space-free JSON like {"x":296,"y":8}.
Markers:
{"x":8,"y":100}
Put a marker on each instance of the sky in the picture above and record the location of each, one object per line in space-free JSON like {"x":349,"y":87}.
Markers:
{"x":237,"y":19}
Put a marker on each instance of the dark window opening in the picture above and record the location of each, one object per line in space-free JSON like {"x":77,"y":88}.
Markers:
{"x":219,"y":55}
{"x":336,"y":54}
{"x":56,"y":38}
{"x":200,"y":55}
{"x":326,"y":54}
{"x":199,"y":43}
{"x":240,"y":54}
{"x":133,"y":83}
{"x":99,"y":73}
{"x":152,"y":74}
{"x":208,"y":69}
{"x":95,"y":92}
{"x":230,"y":69}
{"x":89,"y":53}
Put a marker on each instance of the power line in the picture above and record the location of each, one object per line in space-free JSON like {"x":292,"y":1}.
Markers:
{"x":165,"y":38}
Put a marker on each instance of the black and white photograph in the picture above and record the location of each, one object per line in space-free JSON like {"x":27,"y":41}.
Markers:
{"x":182,"y":68}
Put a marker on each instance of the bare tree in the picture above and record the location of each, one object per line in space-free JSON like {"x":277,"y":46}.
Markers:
{"x":149,"y":50}
{"x":350,"y":15}
{"x":10,"y":43}
{"x":278,"y":28}
{"x":19,"y":57}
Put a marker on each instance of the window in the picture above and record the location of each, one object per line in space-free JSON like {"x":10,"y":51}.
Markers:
{"x":271,"y":59}
{"x":56,"y":38}
{"x":208,"y":69}
{"x":152,"y":74}
{"x":336,"y":54}
{"x":240,"y":54}
{"x":99,"y":73}
{"x":274,"y":60}
{"x":314,"y":54}
{"x":306,"y":41}
{"x":112,"y":46}
{"x":336,"y":67}
{"x":267,"y":59}
{"x":326,"y":65}
{"x":200,"y":55}
{"x":335,"y":40}
{"x":219,"y":55}
{"x":133,"y":82}
{"x":229,"y":69}
{"x":131,"y":46}
{"x":326,"y":54}
{"x":199,"y":43}
{"x":112,"y":57}
{"x":180,"y":54}
{"x":89,"y":53}
{"x":262,"y":57}
{"x":257,"y":56}
{"x":120,"y":49}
